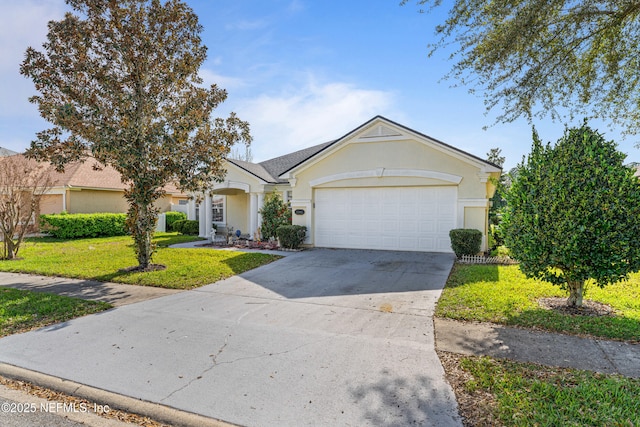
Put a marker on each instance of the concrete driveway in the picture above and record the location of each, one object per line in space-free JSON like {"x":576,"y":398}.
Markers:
{"x":320,"y":337}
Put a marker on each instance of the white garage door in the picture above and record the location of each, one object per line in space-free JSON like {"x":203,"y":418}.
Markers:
{"x":400,"y":218}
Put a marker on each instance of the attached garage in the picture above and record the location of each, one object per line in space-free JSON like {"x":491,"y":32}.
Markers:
{"x":389,"y":218}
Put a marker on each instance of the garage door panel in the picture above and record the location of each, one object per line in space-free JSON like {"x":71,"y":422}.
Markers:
{"x":413,"y":218}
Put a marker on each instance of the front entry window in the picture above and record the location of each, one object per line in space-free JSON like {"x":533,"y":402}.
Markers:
{"x":217,"y":205}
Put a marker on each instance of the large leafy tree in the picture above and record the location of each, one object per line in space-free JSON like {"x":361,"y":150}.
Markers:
{"x":573,"y":213}
{"x":538,"y":57}
{"x":119,"y":81}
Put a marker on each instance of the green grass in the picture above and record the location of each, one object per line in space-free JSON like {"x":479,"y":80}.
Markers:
{"x":533,"y":395}
{"x":103,"y":259}
{"x":502,"y":294}
{"x":21,"y":311}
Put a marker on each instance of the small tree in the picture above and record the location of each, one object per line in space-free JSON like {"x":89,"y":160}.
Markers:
{"x":573,"y":213}
{"x":275,"y":213}
{"x":22,"y":184}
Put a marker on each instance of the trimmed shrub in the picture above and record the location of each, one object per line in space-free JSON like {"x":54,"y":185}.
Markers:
{"x":172,"y":217}
{"x":465,"y":241}
{"x":78,"y":226}
{"x":291,"y":236}
{"x":275,"y":213}
{"x":187,"y":226}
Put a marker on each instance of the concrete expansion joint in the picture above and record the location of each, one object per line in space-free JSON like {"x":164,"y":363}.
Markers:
{"x":598,"y":344}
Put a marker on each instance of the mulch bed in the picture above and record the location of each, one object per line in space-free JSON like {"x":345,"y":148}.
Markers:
{"x":244,"y":244}
{"x":476,"y":408}
{"x":589,"y":308}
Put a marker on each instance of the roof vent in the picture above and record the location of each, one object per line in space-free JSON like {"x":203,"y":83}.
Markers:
{"x":381,"y":131}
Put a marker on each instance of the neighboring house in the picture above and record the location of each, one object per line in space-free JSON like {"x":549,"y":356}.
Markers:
{"x":83,"y":188}
{"x":380,"y":186}
{"x":4,"y":152}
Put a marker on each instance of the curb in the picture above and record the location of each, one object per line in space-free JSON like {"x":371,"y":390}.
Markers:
{"x":155,"y":411}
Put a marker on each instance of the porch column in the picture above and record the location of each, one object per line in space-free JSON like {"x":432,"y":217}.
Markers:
{"x":202,"y":221}
{"x":208,"y":209}
{"x":260,"y":205}
{"x":253,"y":213}
{"x":191,"y":209}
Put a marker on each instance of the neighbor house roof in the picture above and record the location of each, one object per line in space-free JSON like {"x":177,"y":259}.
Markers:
{"x":91,"y":175}
{"x":4,"y":152}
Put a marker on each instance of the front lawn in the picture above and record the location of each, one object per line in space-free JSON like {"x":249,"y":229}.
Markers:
{"x":505,"y":393}
{"x":502,"y":294}
{"x":103,"y":259}
{"x":21,"y":311}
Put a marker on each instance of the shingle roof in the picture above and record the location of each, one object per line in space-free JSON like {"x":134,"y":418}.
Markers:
{"x":270,"y":170}
{"x":4,"y":152}
{"x":86,"y":175}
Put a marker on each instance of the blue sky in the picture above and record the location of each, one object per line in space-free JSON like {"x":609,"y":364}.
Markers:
{"x":304,"y":72}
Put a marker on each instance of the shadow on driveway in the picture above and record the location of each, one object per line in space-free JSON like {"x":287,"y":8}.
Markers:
{"x":338,"y":272}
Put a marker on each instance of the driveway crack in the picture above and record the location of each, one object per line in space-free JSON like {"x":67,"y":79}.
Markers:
{"x":215,"y":364}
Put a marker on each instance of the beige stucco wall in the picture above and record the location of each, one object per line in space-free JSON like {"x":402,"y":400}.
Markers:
{"x":395,"y":154}
{"x":239,"y":178}
{"x":51,"y":204}
{"x":93,"y":201}
{"x":237,"y":212}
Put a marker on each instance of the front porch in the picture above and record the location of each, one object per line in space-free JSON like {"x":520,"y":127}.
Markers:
{"x":230,"y":206}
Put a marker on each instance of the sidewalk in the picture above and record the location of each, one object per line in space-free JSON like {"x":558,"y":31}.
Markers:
{"x":545,"y":348}
{"x":116,"y":294}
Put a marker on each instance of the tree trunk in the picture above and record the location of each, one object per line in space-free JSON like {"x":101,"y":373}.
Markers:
{"x":141,"y":221}
{"x":11,"y":249}
{"x":576,"y":290}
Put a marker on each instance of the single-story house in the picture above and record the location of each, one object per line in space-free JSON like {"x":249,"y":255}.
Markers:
{"x":83,"y":188}
{"x":380,"y":186}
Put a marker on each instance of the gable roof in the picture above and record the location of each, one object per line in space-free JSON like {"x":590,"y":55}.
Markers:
{"x":382,"y":120}
{"x":274,"y":171}
{"x":270,"y":170}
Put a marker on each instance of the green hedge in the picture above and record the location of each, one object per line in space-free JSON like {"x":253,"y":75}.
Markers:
{"x":172,"y":217}
{"x":187,"y":226}
{"x":465,"y":241}
{"x":77,"y":226}
{"x":291,"y":236}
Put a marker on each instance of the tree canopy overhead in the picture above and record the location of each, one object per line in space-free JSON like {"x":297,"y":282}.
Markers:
{"x":537,"y":57}
{"x":119,"y":81}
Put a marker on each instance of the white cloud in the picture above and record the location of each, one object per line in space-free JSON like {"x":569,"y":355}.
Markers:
{"x":224,"y":82}
{"x":309,"y":115}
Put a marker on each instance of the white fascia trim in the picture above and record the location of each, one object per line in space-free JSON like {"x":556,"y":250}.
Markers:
{"x":382,"y":172}
{"x":232,"y":184}
{"x":473,"y":203}
{"x":247,"y":173}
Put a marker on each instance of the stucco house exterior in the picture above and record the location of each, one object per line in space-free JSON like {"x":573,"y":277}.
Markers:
{"x":380,"y":186}
{"x":83,"y":188}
